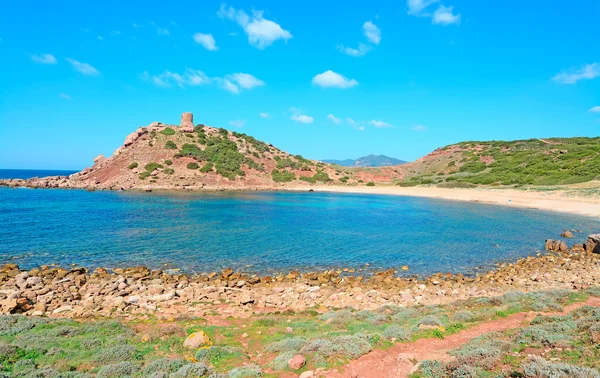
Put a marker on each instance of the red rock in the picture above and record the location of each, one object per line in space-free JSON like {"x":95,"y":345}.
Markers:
{"x":296,"y":362}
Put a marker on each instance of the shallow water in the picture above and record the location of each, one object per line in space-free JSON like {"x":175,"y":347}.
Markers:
{"x":268,"y":232}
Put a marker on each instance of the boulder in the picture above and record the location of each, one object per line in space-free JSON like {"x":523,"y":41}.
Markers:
{"x":187,"y":123}
{"x":307,"y":374}
{"x":297,"y":362}
{"x":592,"y":244}
{"x":99,"y":159}
{"x":131,"y":138}
{"x":196,"y":340}
{"x":567,"y":234}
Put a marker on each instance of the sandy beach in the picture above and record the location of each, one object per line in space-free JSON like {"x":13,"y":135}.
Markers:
{"x":564,"y":201}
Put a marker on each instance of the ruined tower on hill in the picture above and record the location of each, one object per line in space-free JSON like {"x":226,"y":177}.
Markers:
{"x":187,"y":122}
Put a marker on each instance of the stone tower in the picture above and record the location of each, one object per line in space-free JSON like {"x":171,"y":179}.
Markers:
{"x":187,"y":122}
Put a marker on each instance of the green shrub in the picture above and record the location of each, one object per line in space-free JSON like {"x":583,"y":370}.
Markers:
{"x":162,"y":365}
{"x":293,"y":344}
{"x":122,"y":369}
{"x":370,"y":183}
{"x":132,"y":165}
{"x":192,"y":166}
{"x":208,"y":167}
{"x":168,"y":171}
{"x":250,"y":371}
{"x":429,"y":320}
{"x":282,"y":176}
{"x":464,"y":316}
{"x":214,"y":354}
{"x":196,"y":370}
{"x":168,"y":162}
{"x":396,"y":332}
{"x":150,"y":167}
{"x":538,"y":367}
{"x":281,"y":361}
{"x":168,"y":131}
{"x":116,"y":353}
{"x":170,"y":145}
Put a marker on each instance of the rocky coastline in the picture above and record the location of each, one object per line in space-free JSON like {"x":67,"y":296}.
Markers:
{"x":77,"y":292}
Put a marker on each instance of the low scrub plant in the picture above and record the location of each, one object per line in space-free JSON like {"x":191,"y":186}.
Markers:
{"x":170,"y":145}
{"x":132,"y":165}
{"x":168,"y":131}
{"x":192,"y":166}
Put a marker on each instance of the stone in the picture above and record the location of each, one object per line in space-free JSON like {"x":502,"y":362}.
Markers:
{"x":62,"y":309}
{"x":187,"y":123}
{"x":99,"y":159}
{"x":131,"y":138}
{"x":196,"y":340}
{"x":592,"y":244}
{"x":307,"y":374}
{"x":567,"y":234}
{"x":296,"y":362}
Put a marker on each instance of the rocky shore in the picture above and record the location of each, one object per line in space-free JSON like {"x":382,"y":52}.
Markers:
{"x":58,"y":292}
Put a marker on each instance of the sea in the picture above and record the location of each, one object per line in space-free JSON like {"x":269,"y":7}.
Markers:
{"x":268,"y":232}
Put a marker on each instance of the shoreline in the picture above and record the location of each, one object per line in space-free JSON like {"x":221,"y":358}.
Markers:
{"x":565,"y":199}
{"x":554,"y":200}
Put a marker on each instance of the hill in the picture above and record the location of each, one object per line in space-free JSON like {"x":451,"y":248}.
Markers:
{"x":549,"y":161}
{"x":160,"y":156}
{"x":368,"y":161}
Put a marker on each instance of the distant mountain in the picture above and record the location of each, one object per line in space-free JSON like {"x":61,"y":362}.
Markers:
{"x":368,"y":161}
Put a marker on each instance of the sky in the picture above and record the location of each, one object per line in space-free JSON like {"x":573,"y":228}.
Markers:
{"x":393,"y":77}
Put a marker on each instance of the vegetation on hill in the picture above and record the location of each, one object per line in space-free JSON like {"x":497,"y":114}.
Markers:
{"x":524,"y":162}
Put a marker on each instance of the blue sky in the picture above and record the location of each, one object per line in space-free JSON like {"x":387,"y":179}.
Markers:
{"x":399,"y":77}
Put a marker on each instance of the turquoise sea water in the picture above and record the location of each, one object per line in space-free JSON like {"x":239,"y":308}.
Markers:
{"x":268,"y":232}
{"x":29,"y":173}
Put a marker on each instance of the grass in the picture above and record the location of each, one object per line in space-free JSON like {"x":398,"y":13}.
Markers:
{"x":144,"y":347}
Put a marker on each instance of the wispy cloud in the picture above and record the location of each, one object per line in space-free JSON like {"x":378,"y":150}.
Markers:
{"x":299,"y":117}
{"x":65,"y":96}
{"x":330,"y":79}
{"x":115,"y":33}
{"x":160,"y":30}
{"x":264,"y":115}
{"x":43,"y":58}
{"x":83,"y":68}
{"x":595,"y":109}
{"x":260,"y":31}
{"x":575,"y":74}
{"x":233,"y":83}
{"x":206,"y":40}
{"x":136,"y":26}
{"x":372,"y":32}
{"x":445,"y":16}
{"x":238,"y":123}
{"x":373,"y":35}
{"x":419,"y":128}
{"x":189,"y":78}
{"x":379,"y":124}
{"x":417,"y":7}
{"x":334,"y":119}
{"x":361,"y":50}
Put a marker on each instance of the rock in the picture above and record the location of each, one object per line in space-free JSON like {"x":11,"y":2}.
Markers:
{"x":297,"y":362}
{"x":187,"y":123}
{"x":62,"y":309}
{"x":99,"y":159}
{"x":567,"y":234}
{"x":8,"y":305}
{"x":131,"y":138}
{"x":592,"y":244}
{"x":307,"y":374}
{"x":196,"y":340}
{"x":227,"y":273}
{"x":404,"y":268}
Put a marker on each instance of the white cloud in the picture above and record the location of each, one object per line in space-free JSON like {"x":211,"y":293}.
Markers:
{"x":264,"y":115}
{"x":233,"y":83}
{"x":43,"y":58}
{"x":83,"y":68}
{"x":330,"y":79}
{"x":444,"y":16}
{"x":162,"y":31}
{"x":360,"y":51}
{"x":189,"y":78}
{"x":595,"y":109}
{"x":206,"y":40}
{"x":419,"y":128}
{"x":378,"y":124}
{"x":416,"y":7}
{"x":354,"y":124}
{"x":65,"y":96}
{"x":334,"y":119}
{"x":100,"y":38}
{"x":237,"y":81}
{"x":573,"y":75}
{"x":238,"y":123}
{"x":260,"y":31}
{"x":136,"y":26}
{"x":115,"y":33}
{"x":299,"y":117}
{"x":372,"y":32}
